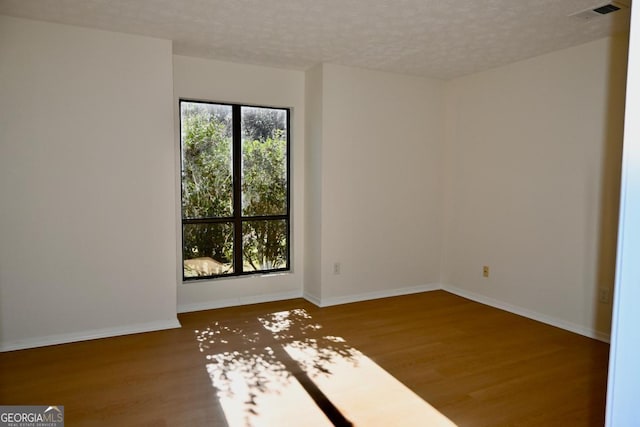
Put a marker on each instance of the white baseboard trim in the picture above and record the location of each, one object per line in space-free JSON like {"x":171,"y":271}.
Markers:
{"x":233,"y":302}
{"x":88,"y":335}
{"x":326,"y":302}
{"x":525,"y":312}
{"x":312,"y":299}
{"x":320,"y":302}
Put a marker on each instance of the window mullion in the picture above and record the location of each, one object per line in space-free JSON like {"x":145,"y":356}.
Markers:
{"x":288,"y":163}
{"x":237,"y":189}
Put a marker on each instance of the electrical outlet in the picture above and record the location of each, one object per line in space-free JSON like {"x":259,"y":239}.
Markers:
{"x":337,"y":268}
{"x":485,"y":271}
{"x":604,"y":295}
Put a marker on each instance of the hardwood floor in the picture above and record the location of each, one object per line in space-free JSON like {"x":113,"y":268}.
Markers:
{"x":477,"y":365}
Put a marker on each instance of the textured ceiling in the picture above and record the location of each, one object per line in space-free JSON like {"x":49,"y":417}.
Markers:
{"x":434,"y":38}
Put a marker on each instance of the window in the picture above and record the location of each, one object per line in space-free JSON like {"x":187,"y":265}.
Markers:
{"x":235,"y":189}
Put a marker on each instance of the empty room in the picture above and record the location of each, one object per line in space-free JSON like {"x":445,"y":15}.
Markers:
{"x":373,"y":213}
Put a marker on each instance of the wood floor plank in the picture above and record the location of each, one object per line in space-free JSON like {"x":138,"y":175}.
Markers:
{"x":477,"y":365}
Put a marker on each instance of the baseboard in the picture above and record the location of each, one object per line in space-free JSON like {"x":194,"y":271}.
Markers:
{"x":170,"y":324}
{"x":326,"y":302}
{"x":521,"y":311}
{"x":233,"y":302}
{"x":88,"y":335}
{"x":312,"y":299}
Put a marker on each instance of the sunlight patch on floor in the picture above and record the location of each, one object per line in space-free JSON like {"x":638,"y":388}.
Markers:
{"x":283,"y":369}
{"x":366,"y":394}
{"x":274,"y":400}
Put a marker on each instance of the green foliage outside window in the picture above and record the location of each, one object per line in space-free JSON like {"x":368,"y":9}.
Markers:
{"x":207,"y":189}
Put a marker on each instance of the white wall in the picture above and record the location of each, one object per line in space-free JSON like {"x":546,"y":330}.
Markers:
{"x":204,"y":79}
{"x":406,"y":182}
{"x":532,"y":167}
{"x":624,"y":371}
{"x":87,"y":244}
{"x":380,"y":183}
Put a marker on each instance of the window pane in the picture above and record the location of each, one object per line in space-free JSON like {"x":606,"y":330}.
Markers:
{"x":264,"y":245}
{"x":207,"y":249}
{"x":264,"y":161}
{"x":207,"y":185}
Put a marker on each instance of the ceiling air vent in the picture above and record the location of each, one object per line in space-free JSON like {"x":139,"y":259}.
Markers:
{"x":603,"y":9}
{"x":607,"y":8}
